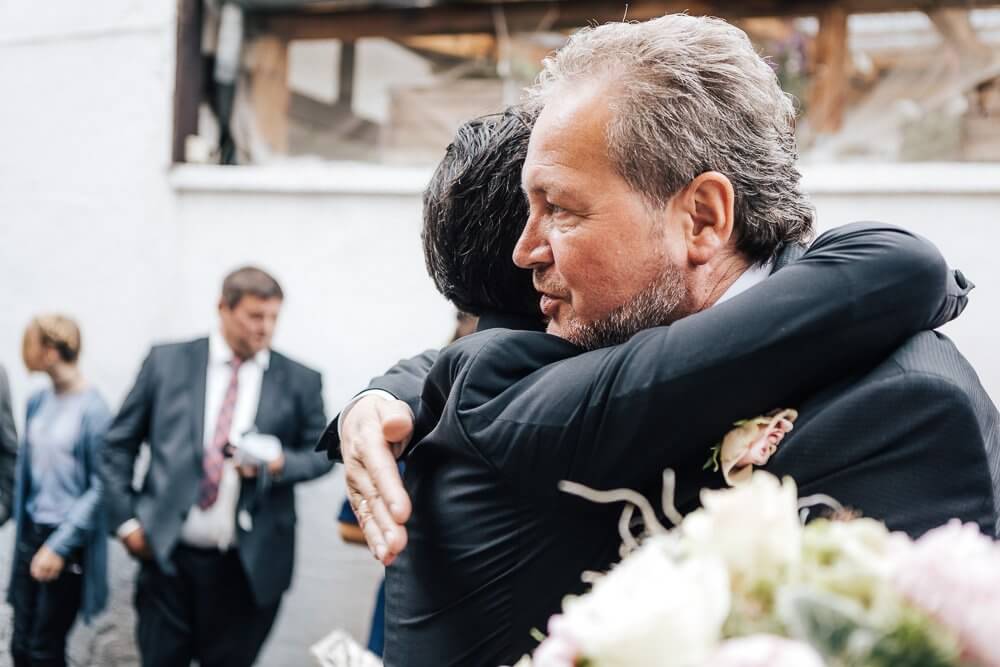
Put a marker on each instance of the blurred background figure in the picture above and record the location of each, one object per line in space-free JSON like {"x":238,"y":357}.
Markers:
{"x":231,"y":426}
{"x":8,"y":449}
{"x":60,"y":555}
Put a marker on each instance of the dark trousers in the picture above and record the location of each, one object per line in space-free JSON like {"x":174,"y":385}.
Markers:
{"x":43,"y":612}
{"x":204,"y":612}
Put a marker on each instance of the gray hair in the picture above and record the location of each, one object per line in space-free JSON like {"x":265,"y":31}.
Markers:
{"x":692,"y":95}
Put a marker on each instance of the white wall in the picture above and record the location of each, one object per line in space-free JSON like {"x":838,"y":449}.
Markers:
{"x":86,"y":213}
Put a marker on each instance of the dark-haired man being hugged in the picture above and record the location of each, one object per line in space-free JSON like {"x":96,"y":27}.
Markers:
{"x":230,"y":425}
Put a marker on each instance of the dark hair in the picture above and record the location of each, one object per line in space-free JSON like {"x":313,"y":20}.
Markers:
{"x":474,"y":212}
{"x":249,"y":280}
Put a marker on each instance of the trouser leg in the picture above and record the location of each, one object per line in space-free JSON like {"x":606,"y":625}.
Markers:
{"x":165,"y":607}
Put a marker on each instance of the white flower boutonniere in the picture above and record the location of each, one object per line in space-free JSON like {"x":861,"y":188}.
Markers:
{"x":750,"y":444}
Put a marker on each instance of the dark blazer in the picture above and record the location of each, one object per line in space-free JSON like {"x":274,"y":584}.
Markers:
{"x":166,"y":409}
{"x":914,"y":441}
{"x":8,"y":449}
{"x":494,"y":546}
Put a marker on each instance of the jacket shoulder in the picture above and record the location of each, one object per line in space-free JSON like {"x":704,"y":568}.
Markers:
{"x":505,"y":355}
{"x":505,"y":359}
{"x":174,"y":348}
{"x":931,"y":358}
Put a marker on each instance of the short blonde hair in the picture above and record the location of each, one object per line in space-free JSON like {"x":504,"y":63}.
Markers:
{"x":59,"y":332}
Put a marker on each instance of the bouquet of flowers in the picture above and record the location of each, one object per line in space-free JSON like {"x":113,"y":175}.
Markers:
{"x":741,"y":582}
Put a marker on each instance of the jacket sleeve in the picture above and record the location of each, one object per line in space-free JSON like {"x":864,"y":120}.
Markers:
{"x":405,"y":381}
{"x":8,"y":449}
{"x":124,"y":436}
{"x":609,"y":417}
{"x":86,"y":512}
{"x":302,"y":463}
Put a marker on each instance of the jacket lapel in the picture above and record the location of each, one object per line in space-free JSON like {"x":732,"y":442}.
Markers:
{"x":197,"y":378}
{"x":270,"y":393}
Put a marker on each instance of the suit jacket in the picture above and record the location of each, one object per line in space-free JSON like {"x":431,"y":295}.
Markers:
{"x":8,"y":449}
{"x":166,"y":409}
{"x":503,"y":416}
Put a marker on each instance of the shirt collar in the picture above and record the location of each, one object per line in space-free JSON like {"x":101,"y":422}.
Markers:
{"x":220,"y":353}
{"x":752,"y":276}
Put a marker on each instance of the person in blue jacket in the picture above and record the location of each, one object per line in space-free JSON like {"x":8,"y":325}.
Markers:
{"x":60,"y":554}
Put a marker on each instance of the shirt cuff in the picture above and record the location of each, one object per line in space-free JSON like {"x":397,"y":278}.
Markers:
{"x":128,"y":528}
{"x":381,"y":393}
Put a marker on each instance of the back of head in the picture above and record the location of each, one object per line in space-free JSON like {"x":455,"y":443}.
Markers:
{"x":691,"y":95}
{"x":474,"y":211}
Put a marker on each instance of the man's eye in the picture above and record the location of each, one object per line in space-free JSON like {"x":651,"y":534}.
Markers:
{"x":555,"y":209}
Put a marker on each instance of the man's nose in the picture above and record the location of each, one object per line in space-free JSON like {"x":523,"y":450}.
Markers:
{"x":532,"y":250}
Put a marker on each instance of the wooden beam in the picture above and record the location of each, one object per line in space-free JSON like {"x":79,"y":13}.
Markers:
{"x":188,"y":75}
{"x":828,"y":93}
{"x":468,"y":47}
{"x":331,"y":22}
{"x":269,"y":92}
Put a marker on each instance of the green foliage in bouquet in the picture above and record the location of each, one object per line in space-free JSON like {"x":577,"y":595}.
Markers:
{"x":843,"y":632}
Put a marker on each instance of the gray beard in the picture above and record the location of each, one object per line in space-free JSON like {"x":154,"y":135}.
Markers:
{"x":654,"y":306}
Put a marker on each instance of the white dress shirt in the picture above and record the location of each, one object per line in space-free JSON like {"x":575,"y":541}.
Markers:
{"x":215,"y":527}
{"x":752,"y":276}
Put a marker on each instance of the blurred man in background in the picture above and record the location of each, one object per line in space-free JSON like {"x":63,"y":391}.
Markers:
{"x":230,"y":426}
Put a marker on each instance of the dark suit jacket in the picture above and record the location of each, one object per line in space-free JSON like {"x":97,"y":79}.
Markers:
{"x":166,"y":409}
{"x":493,"y":546}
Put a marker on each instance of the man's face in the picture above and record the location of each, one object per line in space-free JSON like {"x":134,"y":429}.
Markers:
{"x":605,"y":262}
{"x":249,"y":325}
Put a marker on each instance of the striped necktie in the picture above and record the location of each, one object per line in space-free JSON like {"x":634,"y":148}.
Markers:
{"x":215,"y":455}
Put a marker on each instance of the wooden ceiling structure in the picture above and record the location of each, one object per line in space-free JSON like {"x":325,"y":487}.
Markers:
{"x":275,"y":23}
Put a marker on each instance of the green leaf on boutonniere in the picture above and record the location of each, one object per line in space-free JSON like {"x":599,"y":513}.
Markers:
{"x":713,"y":458}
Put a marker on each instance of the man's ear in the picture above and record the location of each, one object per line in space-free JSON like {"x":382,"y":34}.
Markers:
{"x":709,"y":202}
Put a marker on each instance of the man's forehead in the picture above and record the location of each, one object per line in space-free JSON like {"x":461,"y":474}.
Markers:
{"x":569,"y":135}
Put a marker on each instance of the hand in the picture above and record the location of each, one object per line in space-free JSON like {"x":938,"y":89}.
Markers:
{"x":375,"y":432}
{"x":135,"y":543}
{"x":46,"y":565}
{"x":249,"y":471}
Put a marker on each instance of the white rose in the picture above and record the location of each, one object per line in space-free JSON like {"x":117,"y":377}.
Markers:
{"x":854,"y":559}
{"x":651,"y":610}
{"x":754,"y":528}
{"x":764,"y":651}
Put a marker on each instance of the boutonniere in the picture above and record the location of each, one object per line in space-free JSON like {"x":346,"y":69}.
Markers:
{"x":750,"y":444}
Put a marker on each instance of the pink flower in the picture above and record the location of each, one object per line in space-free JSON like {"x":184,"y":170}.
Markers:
{"x":752,"y":443}
{"x":559,"y":649}
{"x":764,"y":651}
{"x":953,"y":574}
